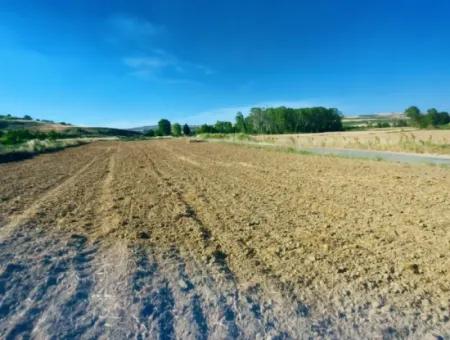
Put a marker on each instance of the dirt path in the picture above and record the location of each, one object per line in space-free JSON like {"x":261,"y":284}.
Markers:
{"x":175,"y":240}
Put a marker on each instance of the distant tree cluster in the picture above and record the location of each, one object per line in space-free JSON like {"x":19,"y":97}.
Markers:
{"x":431,"y":118}
{"x":166,"y":128}
{"x":280,"y":120}
{"x":11,"y":117}
{"x":13,"y":137}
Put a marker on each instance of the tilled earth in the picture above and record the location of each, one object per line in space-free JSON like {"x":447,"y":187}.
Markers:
{"x":170,"y":239}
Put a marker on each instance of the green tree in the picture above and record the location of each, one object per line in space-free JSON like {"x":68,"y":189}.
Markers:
{"x":258,"y":119}
{"x":205,"y":128}
{"x":223,"y":127}
{"x":27,"y":117}
{"x":53,"y":135}
{"x":150,"y":133}
{"x":240,"y":124}
{"x":176,"y":130}
{"x":186,"y":130}
{"x":433,"y":117}
{"x":164,"y":127}
{"x":414,"y":114}
{"x":444,"y":118}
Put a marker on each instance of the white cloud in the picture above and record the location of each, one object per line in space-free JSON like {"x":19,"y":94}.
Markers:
{"x":130,"y":28}
{"x":145,"y":59}
{"x":145,"y":66}
{"x":159,"y":64}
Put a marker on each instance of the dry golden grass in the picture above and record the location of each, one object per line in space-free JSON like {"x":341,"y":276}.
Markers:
{"x":403,"y":140}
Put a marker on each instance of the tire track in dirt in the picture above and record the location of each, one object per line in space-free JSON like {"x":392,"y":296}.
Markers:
{"x":150,"y":298}
{"x":111,"y":299}
{"x":108,"y":216}
{"x":236,"y":313}
{"x":144,"y":244}
{"x":22,"y":182}
{"x":158,"y":312}
{"x":160,"y":306}
{"x":48,"y":293}
{"x":199,"y":186}
{"x":31,"y":211}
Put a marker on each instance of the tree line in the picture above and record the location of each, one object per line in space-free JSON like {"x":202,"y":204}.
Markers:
{"x":165,"y":128}
{"x":271,"y":120}
{"x":278,"y":120}
{"x":432,"y":117}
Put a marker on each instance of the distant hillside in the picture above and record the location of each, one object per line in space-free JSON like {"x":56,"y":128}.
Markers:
{"x":13,"y":123}
{"x":144,"y":129}
{"x":387,"y":115}
{"x":100,"y":132}
{"x":44,"y":126}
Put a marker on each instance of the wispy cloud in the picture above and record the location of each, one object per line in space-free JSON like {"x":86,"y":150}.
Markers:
{"x":145,"y":66}
{"x":159,"y":64}
{"x":132,"y":29}
{"x":145,"y":59}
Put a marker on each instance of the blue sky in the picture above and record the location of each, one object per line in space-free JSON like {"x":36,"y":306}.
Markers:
{"x":129,"y":63}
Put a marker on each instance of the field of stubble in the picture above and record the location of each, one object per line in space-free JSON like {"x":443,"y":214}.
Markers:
{"x":172,"y":239}
{"x":392,"y":139}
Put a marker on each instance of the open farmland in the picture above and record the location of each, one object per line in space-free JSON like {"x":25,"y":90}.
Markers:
{"x":196,"y":240}
{"x":394,"y":139}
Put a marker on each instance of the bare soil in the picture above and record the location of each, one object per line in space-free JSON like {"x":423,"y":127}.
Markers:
{"x":172,"y":239}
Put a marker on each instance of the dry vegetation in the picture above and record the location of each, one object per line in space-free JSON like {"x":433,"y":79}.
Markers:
{"x":403,"y":140}
{"x":203,"y":239}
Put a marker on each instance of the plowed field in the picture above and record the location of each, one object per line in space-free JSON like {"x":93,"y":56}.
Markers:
{"x":172,"y":239}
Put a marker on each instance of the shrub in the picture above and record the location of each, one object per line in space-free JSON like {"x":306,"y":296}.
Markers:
{"x":150,"y":133}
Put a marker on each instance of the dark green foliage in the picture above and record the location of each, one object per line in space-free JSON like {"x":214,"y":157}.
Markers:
{"x":241,"y":124}
{"x":164,"y":127}
{"x":13,"y":137}
{"x":432,"y":118}
{"x":413,"y":113}
{"x":27,"y":117}
{"x":288,"y":120}
{"x":437,"y":118}
{"x":205,"y":128}
{"x":280,"y":120}
{"x":400,"y":123}
{"x":219,"y":127}
{"x":383,"y":124}
{"x":176,"y":130}
{"x":17,"y":136}
{"x":186,"y":130}
{"x":9,"y":117}
{"x":223,"y":127}
{"x":150,"y":133}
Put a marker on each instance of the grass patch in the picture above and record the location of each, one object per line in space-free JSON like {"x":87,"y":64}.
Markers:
{"x":227,"y":136}
{"x":33,"y":147}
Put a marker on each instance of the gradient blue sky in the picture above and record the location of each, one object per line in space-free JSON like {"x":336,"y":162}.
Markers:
{"x":129,"y":63}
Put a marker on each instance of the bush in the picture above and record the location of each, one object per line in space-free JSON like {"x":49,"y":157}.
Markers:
{"x":186,"y":130}
{"x":164,"y":127}
{"x":176,"y":130}
{"x":383,"y":124}
{"x":432,"y":118}
{"x":14,"y":137}
{"x":150,"y":133}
